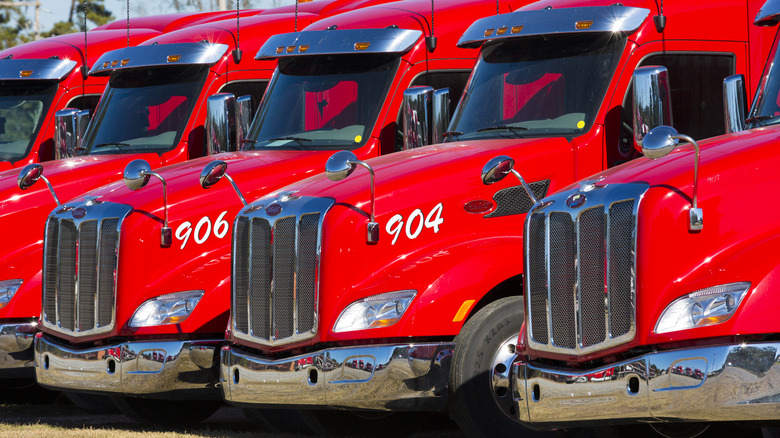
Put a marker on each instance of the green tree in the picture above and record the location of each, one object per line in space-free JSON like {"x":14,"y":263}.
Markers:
{"x":14,"y":27}
{"x":97,"y":14}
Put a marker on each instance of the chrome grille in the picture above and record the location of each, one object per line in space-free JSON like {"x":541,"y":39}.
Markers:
{"x":581,"y":269}
{"x":275,"y":270}
{"x":80,"y":263}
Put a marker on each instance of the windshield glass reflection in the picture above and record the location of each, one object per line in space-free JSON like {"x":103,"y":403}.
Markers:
{"x":23,"y":106}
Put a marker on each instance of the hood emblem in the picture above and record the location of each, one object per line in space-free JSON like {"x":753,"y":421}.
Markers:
{"x":576,"y":200}
{"x":79,"y":212}
{"x":273,"y":209}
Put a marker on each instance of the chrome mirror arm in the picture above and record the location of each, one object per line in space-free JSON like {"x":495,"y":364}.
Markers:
{"x":51,"y":190}
{"x":235,"y":187}
{"x":372,"y":228}
{"x":525,"y":186}
{"x":166,"y":235}
{"x":695,"y":215}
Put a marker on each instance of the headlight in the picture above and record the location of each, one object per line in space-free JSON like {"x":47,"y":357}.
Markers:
{"x":7,"y":290}
{"x":377,"y":311}
{"x":166,"y":309}
{"x":704,"y":307}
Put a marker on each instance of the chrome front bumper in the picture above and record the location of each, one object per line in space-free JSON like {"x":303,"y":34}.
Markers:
{"x":721,"y":383}
{"x":169,"y":369}
{"x":378,"y":377}
{"x":16,"y":341}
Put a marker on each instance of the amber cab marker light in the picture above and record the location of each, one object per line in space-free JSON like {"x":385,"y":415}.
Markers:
{"x":488,"y":32}
{"x":580,"y":25}
{"x":174,"y":58}
{"x":279,"y":50}
{"x":25,"y":73}
{"x":516,"y":29}
{"x":361,"y":46}
{"x":125,"y":61}
{"x":502,"y":30}
{"x":303,"y":48}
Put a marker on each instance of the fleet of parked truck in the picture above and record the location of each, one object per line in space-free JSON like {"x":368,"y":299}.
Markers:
{"x":202,"y":258}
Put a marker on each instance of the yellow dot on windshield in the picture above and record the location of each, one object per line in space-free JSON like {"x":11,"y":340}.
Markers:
{"x":358,"y":138}
{"x":580,"y":124}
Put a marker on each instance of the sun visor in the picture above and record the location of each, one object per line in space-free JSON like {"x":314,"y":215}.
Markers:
{"x":158,"y":55}
{"x":339,"y":42}
{"x":51,"y":69}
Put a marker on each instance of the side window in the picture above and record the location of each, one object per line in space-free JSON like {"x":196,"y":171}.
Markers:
{"x":454,"y":80}
{"x":696,"y":82}
{"x":88,"y":102}
{"x":256,"y":89}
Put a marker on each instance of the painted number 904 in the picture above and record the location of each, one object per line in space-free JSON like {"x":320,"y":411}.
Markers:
{"x":202,"y":229}
{"x":415,"y":223}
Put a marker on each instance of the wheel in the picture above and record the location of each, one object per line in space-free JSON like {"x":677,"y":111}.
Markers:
{"x":165,"y":412}
{"x":278,"y":420}
{"x":95,"y":404}
{"x":481,"y":399}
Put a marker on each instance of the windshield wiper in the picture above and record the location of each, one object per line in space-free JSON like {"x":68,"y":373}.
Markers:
{"x":511,"y":129}
{"x":300,"y":140}
{"x":116,"y":145}
{"x":758,"y":119}
{"x":449,"y":134}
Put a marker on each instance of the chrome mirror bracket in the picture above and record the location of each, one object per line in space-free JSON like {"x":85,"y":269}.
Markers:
{"x":135,"y":176}
{"x":30,"y":174}
{"x":339,"y":166}
{"x":213,"y":172}
{"x":497,"y":168}
{"x":658,"y":143}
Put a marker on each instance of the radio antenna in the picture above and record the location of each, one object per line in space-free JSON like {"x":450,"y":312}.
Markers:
{"x":237,"y":51}
{"x":127,"y":14}
{"x":84,"y":68}
{"x":296,"y":16}
{"x":430,"y":41}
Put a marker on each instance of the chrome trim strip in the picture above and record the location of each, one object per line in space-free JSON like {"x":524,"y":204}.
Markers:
{"x":95,"y":210}
{"x":142,"y":368}
{"x":720,"y":383}
{"x":16,"y":340}
{"x":51,"y":69}
{"x":291,"y":206}
{"x":201,"y":53}
{"x":614,"y":19}
{"x":598,"y":196}
{"x":380,"y":377}
{"x":338,"y":42}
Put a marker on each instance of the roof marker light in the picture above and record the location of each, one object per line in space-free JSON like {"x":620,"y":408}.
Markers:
{"x":488,"y":32}
{"x":25,"y":73}
{"x":279,"y":50}
{"x":125,"y":61}
{"x":586,"y":24}
{"x":105,"y":64}
{"x":174,"y":58}
{"x":114,"y":63}
{"x":502,"y":30}
{"x":303,"y":48}
{"x":362,"y":46}
{"x":516,"y":29}
{"x":290,"y":49}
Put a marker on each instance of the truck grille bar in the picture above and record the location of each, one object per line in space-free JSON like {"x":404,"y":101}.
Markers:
{"x":276,"y":259}
{"x":80,"y":264}
{"x":581,"y":268}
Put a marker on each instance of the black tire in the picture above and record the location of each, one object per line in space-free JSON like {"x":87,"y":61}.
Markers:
{"x":92,"y":403}
{"x":278,"y":420}
{"x":484,"y":347}
{"x":165,"y":412}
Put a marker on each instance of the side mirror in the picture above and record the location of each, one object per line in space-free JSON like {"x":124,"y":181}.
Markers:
{"x":496,"y":169}
{"x":136,"y":174}
{"x":417,"y":116}
{"x":734,"y":103}
{"x":441,"y":114}
{"x":659,"y":142}
{"x":69,"y":127}
{"x":243,"y":119}
{"x":220,"y":123}
{"x":29,"y":175}
{"x":340,"y":165}
{"x":212,"y":173}
{"x":652,"y":101}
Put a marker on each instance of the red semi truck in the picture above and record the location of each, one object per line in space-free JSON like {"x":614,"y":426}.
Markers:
{"x":40,"y":78}
{"x":154,"y":108}
{"x":429,"y":303}
{"x":649,"y":273}
{"x":339,"y":84}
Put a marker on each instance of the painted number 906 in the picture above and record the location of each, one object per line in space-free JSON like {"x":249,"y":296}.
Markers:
{"x":415,"y":223}
{"x":202,"y":229}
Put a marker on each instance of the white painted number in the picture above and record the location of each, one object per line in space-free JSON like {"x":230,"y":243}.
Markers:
{"x":415,"y":223}
{"x":203,"y":229}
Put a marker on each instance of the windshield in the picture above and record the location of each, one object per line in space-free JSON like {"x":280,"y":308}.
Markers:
{"x":766,"y":106}
{"x":327,"y":102}
{"x":537,"y":86}
{"x":144,"y":110}
{"x":23,"y":105}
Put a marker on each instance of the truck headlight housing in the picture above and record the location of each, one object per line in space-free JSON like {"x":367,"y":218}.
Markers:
{"x":704,"y":307}
{"x":381,"y":310}
{"x":166,"y":309}
{"x":8,"y":289}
